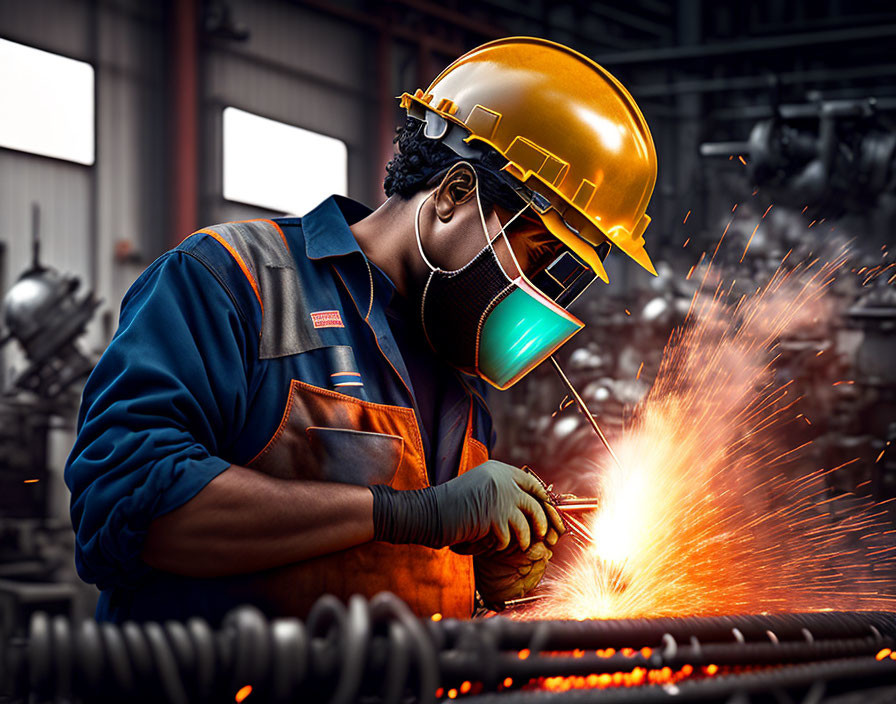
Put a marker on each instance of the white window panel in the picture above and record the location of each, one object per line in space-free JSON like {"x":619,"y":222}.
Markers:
{"x":278,"y":166}
{"x":47,"y":103}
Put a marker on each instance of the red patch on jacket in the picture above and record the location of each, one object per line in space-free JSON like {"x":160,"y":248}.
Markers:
{"x":327,"y":319}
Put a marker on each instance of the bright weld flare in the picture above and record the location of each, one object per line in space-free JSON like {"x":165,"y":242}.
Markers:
{"x":706,"y":515}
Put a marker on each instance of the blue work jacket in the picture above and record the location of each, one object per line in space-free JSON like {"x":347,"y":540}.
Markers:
{"x":182,"y":393}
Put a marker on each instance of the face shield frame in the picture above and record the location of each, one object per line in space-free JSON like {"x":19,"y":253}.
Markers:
{"x":566,"y":276}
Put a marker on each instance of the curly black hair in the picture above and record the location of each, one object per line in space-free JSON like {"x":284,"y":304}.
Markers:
{"x":419,"y":159}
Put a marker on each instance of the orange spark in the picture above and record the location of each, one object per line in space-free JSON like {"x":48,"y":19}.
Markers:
{"x":638,"y":375}
{"x":880,"y":456}
{"x":686,"y":243}
{"x":699,"y":262}
{"x":766,"y":211}
{"x":683,"y":222}
{"x":524,"y":653}
{"x":243,"y":692}
{"x":704,"y":516}
{"x":627,"y":311}
{"x":718,"y":244}
{"x":31,"y":481}
{"x":749,"y":242}
{"x":742,"y":160}
{"x":436,"y":616}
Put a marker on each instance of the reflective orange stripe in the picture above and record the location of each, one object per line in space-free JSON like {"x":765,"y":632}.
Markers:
{"x":239,"y":260}
{"x":282,"y":236}
{"x":271,"y":222}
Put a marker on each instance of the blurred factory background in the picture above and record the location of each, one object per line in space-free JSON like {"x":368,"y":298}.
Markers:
{"x":167,"y":106}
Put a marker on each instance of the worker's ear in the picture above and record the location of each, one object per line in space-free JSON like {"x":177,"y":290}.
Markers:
{"x":456,"y":188}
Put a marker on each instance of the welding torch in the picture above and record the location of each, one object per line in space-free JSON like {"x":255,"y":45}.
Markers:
{"x":571,"y":508}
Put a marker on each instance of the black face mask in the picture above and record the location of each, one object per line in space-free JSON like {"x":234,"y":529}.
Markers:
{"x":455,"y":303}
{"x":489,"y":323}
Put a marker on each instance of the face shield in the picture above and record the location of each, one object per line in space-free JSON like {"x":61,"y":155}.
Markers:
{"x":529,"y":321}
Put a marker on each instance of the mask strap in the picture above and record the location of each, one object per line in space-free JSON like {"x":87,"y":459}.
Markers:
{"x":417,"y":233}
{"x":502,"y":231}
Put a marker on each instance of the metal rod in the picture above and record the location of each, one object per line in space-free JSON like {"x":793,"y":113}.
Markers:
{"x":578,"y":505}
{"x":579,"y":527}
{"x":585,"y":412}
{"x":523,"y":600}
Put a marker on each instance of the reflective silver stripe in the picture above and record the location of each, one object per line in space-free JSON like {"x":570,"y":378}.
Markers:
{"x":286,"y":322}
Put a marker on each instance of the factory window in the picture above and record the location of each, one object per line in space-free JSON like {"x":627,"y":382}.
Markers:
{"x":279,"y":166}
{"x":47,"y":103}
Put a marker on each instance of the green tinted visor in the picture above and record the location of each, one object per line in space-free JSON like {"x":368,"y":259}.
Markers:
{"x":521,"y":331}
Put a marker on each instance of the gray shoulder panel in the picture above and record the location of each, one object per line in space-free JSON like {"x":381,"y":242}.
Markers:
{"x":284,"y":330}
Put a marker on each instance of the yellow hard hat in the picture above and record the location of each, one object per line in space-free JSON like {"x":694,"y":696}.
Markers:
{"x":570,"y":132}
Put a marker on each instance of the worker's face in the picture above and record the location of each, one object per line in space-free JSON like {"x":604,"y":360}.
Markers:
{"x":533,"y":246}
{"x":459,"y":234}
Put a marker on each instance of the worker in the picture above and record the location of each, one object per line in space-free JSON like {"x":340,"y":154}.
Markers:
{"x":297,"y":406}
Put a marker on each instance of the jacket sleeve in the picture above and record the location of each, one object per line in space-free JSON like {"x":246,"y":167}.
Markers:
{"x":156,"y":414}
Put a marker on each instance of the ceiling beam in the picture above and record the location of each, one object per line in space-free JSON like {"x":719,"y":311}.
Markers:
{"x":718,"y":85}
{"x":627,"y":19}
{"x":747,"y":46}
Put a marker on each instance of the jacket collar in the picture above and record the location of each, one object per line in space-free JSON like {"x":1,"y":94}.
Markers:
{"x":326,"y":228}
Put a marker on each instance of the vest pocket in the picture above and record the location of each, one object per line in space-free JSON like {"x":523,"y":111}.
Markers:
{"x":355,"y":456}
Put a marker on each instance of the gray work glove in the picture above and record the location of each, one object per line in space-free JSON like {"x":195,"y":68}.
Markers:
{"x":512,"y":573}
{"x":488,"y":506}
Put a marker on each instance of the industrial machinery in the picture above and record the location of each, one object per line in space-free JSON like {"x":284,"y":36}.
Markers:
{"x":44,"y":313}
{"x":829,"y":156}
{"x":378,"y":651}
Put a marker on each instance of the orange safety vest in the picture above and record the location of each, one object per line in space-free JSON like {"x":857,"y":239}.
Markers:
{"x":376,"y":443}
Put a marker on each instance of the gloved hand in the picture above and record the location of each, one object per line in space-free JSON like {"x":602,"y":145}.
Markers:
{"x":493,"y":501}
{"x":512,"y":573}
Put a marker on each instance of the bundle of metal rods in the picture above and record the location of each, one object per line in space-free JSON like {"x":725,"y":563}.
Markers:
{"x":378,"y":651}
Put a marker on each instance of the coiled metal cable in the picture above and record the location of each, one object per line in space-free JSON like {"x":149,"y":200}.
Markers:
{"x":327,"y":658}
{"x":380,"y":651}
